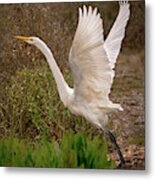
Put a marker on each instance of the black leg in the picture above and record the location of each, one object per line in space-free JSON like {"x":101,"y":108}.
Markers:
{"x":113,"y":140}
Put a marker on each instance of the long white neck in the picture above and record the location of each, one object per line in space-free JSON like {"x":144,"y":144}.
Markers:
{"x":63,"y":88}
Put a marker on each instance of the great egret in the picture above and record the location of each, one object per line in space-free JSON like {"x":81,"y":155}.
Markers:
{"x":92,"y":61}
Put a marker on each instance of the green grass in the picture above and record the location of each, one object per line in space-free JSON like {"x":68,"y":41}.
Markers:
{"x":38,"y":131}
{"x":73,"y":151}
{"x":31,"y":107}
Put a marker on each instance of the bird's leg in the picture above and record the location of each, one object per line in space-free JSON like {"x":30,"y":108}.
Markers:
{"x":113,"y":140}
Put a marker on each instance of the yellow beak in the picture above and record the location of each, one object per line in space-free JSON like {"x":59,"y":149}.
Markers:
{"x":23,"y":38}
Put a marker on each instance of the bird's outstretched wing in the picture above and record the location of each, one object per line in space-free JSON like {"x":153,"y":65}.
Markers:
{"x":113,"y":42}
{"x":88,"y":60}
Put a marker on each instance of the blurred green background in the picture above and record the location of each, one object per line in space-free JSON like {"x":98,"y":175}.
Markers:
{"x":30,"y":108}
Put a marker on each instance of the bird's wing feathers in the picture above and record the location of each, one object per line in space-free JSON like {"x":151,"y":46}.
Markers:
{"x":113,"y":42}
{"x":88,"y":60}
{"x":91,"y":59}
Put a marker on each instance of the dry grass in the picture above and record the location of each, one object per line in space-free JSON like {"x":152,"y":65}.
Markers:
{"x":29,"y":103}
{"x":55,"y":23}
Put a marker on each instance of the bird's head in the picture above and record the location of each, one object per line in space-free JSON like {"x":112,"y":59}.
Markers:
{"x":36,"y":42}
{"x":29,"y":40}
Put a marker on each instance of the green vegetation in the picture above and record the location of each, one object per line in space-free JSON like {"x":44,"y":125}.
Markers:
{"x":34,"y":107}
{"x":30,"y":109}
{"x":37,"y":116}
{"x":73,"y":151}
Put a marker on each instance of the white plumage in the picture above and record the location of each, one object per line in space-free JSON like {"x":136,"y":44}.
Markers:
{"x":92,"y":61}
{"x":113,"y":42}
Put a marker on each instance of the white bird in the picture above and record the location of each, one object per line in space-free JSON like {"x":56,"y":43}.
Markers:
{"x":92,"y":60}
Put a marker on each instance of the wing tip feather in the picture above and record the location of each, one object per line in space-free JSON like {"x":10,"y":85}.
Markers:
{"x":80,"y":13}
{"x":86,"y":11}
{"x":124,"y":3}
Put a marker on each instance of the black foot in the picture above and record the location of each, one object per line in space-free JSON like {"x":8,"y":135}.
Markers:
{"x":120,"y":166}
{"x":113,"y":140}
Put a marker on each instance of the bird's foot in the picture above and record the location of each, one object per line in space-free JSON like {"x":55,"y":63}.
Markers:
{"x":121,"y":165}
